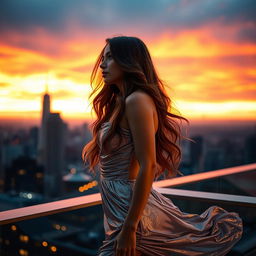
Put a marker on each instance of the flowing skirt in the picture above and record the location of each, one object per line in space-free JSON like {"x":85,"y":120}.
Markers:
{"x":164,"y":230}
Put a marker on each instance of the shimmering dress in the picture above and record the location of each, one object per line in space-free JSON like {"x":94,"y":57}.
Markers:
{"x":163,"y":230}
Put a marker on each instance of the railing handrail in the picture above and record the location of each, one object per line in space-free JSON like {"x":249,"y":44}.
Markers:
{"x":204,"y":176}
{"x":39,"y":210}
{"x":245,"y":201}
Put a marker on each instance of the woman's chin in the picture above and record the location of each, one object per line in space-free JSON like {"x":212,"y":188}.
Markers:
{"x":107,"y":81}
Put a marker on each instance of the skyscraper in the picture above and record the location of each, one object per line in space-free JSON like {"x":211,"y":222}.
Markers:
{"x":46,"y":109}
{"x":55,"y":161}
{"x":51,"y":148}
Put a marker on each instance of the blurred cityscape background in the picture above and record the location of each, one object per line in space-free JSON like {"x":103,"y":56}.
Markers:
{"x":204,"y":50}
{"x":43,"y":164}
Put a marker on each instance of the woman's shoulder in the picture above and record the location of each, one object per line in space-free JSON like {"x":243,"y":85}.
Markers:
{"x":140,"y":101}
{"x":138,"y":96}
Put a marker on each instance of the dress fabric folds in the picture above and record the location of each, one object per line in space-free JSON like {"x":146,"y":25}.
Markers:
{"x":163,"y":230}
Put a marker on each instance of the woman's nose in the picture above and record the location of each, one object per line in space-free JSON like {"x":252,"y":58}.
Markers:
{"x":102,"y":65}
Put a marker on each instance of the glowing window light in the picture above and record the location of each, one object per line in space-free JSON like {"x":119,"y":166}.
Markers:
{"x":23,"y":252}
{"x":53,"y":248}
{"x":39,"y":175}
{"x":24,"y":238}
{"x":13,"y":228}
{"x":57,"y":226}
{"x":44,"y":243}
{"x":22,"y":172}
{"x":63,"y":228}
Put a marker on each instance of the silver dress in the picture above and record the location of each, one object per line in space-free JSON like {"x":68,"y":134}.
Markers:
{"x":163,"y":230}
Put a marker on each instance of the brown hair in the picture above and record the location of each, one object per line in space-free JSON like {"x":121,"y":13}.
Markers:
{"x":134,"y":59}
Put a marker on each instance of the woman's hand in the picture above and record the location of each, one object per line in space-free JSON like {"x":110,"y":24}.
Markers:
{"x":125,"y":243}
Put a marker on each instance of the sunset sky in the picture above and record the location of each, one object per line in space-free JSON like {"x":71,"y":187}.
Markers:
{"x":204,"y":49}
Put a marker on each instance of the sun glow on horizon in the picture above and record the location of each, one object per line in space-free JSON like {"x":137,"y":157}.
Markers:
{"x":207,"y":76}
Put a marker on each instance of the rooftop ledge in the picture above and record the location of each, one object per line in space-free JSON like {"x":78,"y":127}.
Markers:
{"x":39,"y":210}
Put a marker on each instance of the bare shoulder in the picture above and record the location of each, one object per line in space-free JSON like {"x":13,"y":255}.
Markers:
{"x":139,"y":97}
{"x":140,"y":109}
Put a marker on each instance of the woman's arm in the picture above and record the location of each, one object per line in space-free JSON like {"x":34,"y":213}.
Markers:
{"x":139,"y":113}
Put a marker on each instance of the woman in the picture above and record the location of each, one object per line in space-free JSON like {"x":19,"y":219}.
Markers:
{"x":135,"y":140}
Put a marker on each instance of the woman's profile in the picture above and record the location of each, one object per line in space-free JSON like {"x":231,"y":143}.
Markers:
{"x":135,"y":141}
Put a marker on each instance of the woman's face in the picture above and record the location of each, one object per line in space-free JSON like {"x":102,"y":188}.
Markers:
{"x":111,"y":72}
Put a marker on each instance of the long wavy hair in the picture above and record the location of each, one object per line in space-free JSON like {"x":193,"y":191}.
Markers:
{"x":133,"y":57}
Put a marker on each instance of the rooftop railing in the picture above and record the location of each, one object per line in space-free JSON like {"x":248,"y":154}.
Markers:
{"x":163,"y":186}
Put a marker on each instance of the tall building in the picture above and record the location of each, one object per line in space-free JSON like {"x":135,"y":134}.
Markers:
{"x":46,"y":109}
{"x":51,"y":149}
{"x":55,"y":143}
{"x":196,"y":154}
{"x":250,"y":148}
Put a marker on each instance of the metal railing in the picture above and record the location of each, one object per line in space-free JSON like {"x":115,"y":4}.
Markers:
{"x":39,"y":210}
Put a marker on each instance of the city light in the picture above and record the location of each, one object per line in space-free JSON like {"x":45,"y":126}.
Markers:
{"x":88,"y":186}
{"x":44,"y":243}
{"x":13,"y":228}
{"x":22,"y":172}
{"x":24,"y":238}
{"x":53,"y":248}
{"x":23,"y":252}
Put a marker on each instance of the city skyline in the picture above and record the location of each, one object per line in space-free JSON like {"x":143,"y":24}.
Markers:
{"x":27,"y":122}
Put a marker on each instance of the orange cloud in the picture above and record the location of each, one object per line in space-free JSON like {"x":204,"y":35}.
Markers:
{"x":208,"y":73}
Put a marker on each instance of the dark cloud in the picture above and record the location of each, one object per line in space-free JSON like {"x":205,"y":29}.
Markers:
{"x":27,"y":14}
{"x":115,"y":14}
{"x":247,"y":34}
{"x":199,"y":12}
{"x":27,"y":24}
